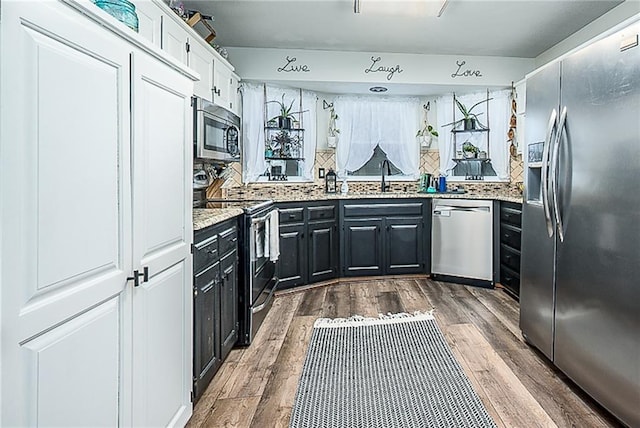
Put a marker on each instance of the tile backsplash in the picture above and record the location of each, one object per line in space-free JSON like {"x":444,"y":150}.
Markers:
{"x":233,"y":188}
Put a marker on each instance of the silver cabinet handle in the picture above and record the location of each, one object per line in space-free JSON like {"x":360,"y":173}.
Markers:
{"x":545,"y":171}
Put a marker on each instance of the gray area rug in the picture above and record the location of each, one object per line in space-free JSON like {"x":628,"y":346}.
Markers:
{"x":394,"y":371}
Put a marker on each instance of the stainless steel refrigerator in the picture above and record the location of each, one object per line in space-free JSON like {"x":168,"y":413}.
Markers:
{"x":580,"y":273}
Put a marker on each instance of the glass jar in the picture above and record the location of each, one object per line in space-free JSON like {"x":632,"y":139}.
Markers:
{"x":122,"y":10}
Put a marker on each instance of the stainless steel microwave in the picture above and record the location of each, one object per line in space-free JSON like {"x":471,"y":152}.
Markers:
{"x":216,"y":132}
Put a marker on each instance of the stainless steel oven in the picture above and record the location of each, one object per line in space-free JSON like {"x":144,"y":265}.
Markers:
{"x":216,"y":132}
{"x":259,"y":270}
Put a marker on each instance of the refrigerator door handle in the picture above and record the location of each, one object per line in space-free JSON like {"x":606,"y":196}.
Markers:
{"x":554,"y":173}
{"x":545,"y":171}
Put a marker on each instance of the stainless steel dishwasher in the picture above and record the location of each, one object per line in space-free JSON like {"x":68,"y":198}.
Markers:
{"x":462,"y":239}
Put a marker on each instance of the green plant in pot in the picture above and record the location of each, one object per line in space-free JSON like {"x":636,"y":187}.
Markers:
{"x":469,"y":119}
{"x":286,"y":117}
{"x":469,"y":150}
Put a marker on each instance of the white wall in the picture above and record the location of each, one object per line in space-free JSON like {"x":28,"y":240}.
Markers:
{"x":312,"y":68}
{"x":615,"y":16}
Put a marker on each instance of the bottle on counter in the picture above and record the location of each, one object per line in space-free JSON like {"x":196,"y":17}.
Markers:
{"x":345,"y":187}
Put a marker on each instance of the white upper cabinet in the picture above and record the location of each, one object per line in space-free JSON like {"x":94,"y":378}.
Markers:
{"x":234,"y":95}
{"x":201,"y":61}
{"x":150,"y":19}
{"x":174,"y":39}
{"x":221,"y":83}
{"x":162,"y":27}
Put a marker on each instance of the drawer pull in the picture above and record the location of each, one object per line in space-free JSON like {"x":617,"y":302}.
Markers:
{"x":292,"y":216}
{"x":235,"y":239}
{"x":507,"y":236}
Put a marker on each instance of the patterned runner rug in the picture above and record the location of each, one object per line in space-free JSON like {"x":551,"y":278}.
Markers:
{"x":392,"y":371}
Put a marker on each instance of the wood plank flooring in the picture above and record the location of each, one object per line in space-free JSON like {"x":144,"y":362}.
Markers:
{"x":256,"y":386}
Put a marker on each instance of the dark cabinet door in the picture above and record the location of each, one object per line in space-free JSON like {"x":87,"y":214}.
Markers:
{"x":404,"y":246}
{"x":206,"y":356}
{"x":363,"y":247}
{"x":293,"y":259}
{"x":228,"y":302}
{"x":323,"y":251}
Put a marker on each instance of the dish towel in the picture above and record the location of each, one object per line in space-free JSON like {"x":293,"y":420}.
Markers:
{"x":274,"y":235}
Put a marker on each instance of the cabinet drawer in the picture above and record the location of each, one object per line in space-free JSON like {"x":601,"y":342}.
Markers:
{"x":228,"y":240}
{"x":388,"y":210}
{"x":208,"y":278}
{"x":291,"y":215}
{"x":510,"y":235}
{"x":325,"y":212}
{"x":509,"y":257}
{"x":510,"y":216}
{"x":510,"y":280}
{"x":206,"y":252}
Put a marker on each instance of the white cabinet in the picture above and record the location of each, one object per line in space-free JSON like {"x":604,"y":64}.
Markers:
{"x":225,"y":85}
{"x":234,"y":95}
{"x":201,"y":61}
{"x":174,"y":38}
{"x":162,"y":234}
{"x":89,"y":193}
{"x":150,"y":18}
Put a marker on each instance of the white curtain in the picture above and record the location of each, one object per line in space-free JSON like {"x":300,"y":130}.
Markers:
{"x":366,"y":122}
{"x":498,"y":121}
{"x":253,"y":160}
{"x":253,"y":120}
{"x":310,"y":102}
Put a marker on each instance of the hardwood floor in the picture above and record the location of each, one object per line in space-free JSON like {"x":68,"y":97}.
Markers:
{"x":256,"y":386}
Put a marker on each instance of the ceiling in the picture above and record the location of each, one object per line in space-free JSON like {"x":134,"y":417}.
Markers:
{"x":510,"y":28}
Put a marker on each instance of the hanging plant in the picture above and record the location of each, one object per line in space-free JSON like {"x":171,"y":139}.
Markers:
{"x":427,"y":132}
{"x":333,"y":130}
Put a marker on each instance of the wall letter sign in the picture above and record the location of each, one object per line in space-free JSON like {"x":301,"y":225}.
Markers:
{"x":289,"y":67}
{"x":465,"y":73}
{"x":389,"y":70}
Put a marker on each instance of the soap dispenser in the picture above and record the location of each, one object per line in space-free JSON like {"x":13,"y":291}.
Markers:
{"x":345,"y":187}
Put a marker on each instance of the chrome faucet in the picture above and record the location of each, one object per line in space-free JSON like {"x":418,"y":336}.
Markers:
{"x":384,"y":187}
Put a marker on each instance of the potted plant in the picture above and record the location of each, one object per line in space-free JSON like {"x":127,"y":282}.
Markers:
{"x":426,"y":133}
{"x":286,"y":117}
{"x":469,"y":150}
{"x":469,"y":119}
{"x":333,"y":131}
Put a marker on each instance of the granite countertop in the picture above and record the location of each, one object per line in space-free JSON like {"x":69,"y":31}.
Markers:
{"x":400,"y":195}
{"x":205,"y":217}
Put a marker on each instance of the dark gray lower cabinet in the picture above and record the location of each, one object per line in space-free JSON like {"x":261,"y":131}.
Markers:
{"x":229,"y":323}
{"x":354,"y":237}
{"x":293,"y":259}
{"x":322,"y":238}
{"x":207,"y":357}
{"x":363,"y":247}
{"x":382,"y":237}
{"x":215,"y":300}
{"x":308,"y":243}
{"x":404,"y":245}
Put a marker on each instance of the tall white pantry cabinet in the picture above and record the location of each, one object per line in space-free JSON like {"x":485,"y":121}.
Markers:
{"x":95,"y":215}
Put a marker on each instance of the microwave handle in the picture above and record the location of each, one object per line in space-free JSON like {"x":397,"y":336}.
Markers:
{"x":233,"y":152}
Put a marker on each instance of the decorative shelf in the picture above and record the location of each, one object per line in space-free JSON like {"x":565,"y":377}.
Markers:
{"x":459,"y":131}
{"x":283,"y":158}
{"x":284,"y":129}
{"x":471,"y":159}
